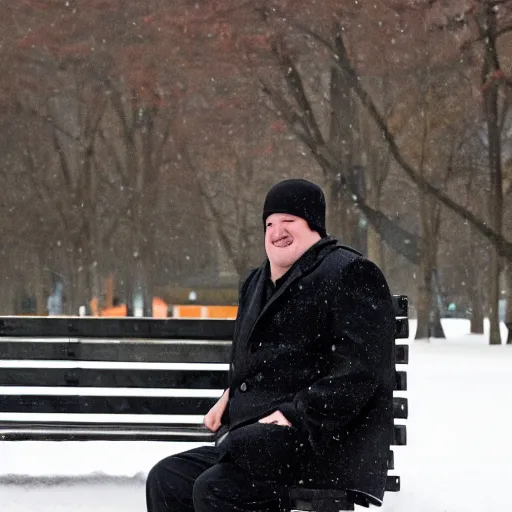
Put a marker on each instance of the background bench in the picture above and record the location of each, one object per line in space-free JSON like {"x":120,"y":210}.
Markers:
{"x":133,"y":379}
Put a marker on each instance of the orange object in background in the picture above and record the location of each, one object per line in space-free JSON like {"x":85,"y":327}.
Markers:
{"x":187,"y":312}
{"x":160,"y":308}
{"x":222,"y":311}
{"x":193,"y":311}
{"x":94,"y":304}
{"x":121,"y":310}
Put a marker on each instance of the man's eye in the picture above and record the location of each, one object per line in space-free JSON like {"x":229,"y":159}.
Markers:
{"x":289,"y":220}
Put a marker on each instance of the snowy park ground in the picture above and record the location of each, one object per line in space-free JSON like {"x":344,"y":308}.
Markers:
{"x":458,"y":456}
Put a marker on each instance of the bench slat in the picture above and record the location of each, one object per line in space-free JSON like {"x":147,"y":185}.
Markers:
{"x":89,"y":404}
{"x":114,"y":378}
{"x":128,"y":351}
{"x":73,"y":327}
{"x":393,"y":483}
{"x":85,"y":431}
{"x":132,"y":352}
{"x":401,"y":305}
{"x":19,"y":431}
{"x":400,"y":408}
{"x":402,"y":354}
{"x":399,"y":435}
{"x":129,"y":378}
{"x":401,"y":381}
{"x":105,"y":404}
{"x":391,"y":460}
{"x":401,"y":328}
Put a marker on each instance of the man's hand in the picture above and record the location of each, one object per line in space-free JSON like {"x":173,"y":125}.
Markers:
{"x":276,"y":418}
{"x":214,"y":415}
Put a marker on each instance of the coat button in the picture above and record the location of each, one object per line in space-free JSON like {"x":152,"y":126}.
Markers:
{"x":243,"y":387}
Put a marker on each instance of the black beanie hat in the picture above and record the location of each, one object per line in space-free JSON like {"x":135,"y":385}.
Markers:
{"x":300,"y":198}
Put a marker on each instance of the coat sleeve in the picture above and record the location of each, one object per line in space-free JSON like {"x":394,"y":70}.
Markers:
{"x":361,"y":319}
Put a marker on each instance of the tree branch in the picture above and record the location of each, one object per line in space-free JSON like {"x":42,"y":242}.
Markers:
{"x":503,"y":246}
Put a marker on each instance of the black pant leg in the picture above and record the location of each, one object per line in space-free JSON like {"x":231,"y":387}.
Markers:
{"x":170,"y":482}
{"x":226,"y":487}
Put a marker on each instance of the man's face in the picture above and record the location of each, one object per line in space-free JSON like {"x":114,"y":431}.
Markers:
{"x":287,"y":238}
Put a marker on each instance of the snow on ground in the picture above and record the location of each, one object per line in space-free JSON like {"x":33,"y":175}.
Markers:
{"x":458,"y":457}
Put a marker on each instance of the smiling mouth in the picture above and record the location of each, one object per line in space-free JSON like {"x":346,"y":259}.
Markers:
{"x":283,"y":242}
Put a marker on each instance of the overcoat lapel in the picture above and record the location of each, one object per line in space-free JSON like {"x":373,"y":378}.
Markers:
{"x":254,"y":312}
{"x":252,"y":307}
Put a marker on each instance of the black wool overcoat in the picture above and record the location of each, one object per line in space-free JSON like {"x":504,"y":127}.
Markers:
{"x":321,"y":351}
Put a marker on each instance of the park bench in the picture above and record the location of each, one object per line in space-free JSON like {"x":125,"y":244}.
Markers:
{"x":139,"y":379}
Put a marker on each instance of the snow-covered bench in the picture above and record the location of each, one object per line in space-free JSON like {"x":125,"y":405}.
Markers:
{"x":135,"y":379}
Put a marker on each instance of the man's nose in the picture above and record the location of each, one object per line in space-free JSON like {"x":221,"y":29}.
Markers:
{"x":279,"y":230}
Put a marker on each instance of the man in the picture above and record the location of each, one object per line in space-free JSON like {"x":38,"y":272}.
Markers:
{"x":312,"y":372}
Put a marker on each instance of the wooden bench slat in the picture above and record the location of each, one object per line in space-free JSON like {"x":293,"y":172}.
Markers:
{"x":105,"y":404}
{"x":129,"y":351}
{"x":401,"y":328}
{"x":400,"y":408}
{"x":72,"y":327}
{"x":91,"y":404}
{"x":401,"y":305}
{"x":114,"y":378}
{"x":401,"y":381}
{"x":391,"y":460}
{"x":68,"y":431}
{"x":402,"y":354}
{"x":393,"y":483}
{"x":132,"y":352}
{"x":20,"y":431}
{"x":399,"y":435}
{"x":129,"y":378}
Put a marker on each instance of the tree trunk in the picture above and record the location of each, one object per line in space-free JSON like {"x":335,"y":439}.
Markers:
{"x":341,"y":221}
{"x":429,"y":316}
{"x":429,"y":312}
{"x":375,"y":247}
{"x":141,"y":301}
{"x":342,"y":218}
{"x":334,"y":206}
{"x":436,"y":327}
{"x":353,"y":233}
{"x":424,"y":301}
{"x":494,"y":298}
{"x":138,"y":293}
{"x":490,"y":88}
{"x":477,"y":310}
{"x":474,"y":280}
